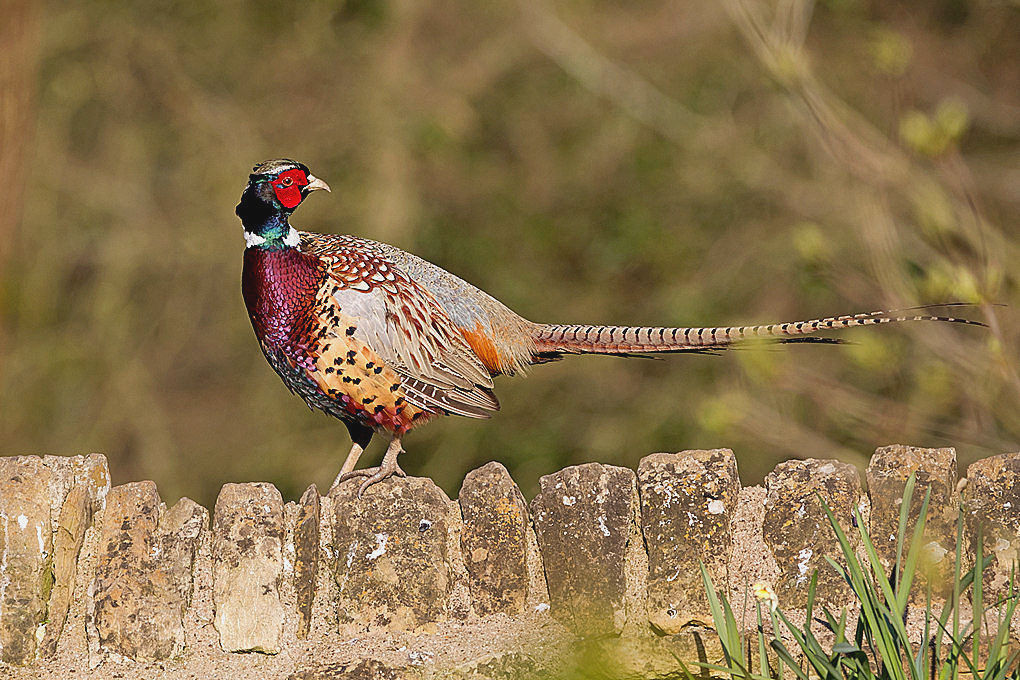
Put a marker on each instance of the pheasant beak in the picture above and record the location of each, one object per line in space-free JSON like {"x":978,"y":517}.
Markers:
{"x":314,"y":184}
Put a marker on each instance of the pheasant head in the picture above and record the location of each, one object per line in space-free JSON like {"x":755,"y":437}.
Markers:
{"x":275,"y":188}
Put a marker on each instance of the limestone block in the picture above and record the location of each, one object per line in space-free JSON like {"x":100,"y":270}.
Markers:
{"x":143,"y":573}
{"x":180,"y":529}
{"x":306,"y":557}
{"x":94,"y":472}
{"x":75,"y":517}
{"x":509,"y":665}
{"x":992,"y":507}
{"x":687,"y":502}
{"x":248,"y":536}
{"x":494,"y":540}
{"x":798,"y":531}
{"x":90,"y":470}
{"x":393,"y":552}
{"x":366,"y":669}
{"x":934,"y":470}
{"x":583,"y":518}
{"x":26,"y":556}
{"x":33,"y":490}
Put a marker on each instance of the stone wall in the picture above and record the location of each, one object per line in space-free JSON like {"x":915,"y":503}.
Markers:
{"x":601,"y":569}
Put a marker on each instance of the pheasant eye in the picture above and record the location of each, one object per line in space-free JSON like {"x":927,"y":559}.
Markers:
{"x":287,"y":181}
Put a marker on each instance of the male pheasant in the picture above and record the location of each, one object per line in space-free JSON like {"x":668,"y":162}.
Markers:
{"x":386,"y":341}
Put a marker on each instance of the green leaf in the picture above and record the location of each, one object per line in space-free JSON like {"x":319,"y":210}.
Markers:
{"x":916,"y":548}
{"x":786,"y":658}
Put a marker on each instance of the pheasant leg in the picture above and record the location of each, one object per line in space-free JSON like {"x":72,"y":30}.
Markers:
{"x":388,"y":468}
{"x":349,"y":463}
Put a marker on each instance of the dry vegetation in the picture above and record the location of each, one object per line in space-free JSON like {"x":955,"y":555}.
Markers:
{"x":645,"y":163}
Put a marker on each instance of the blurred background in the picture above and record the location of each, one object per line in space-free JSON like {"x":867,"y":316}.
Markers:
{"x":662,"y":162}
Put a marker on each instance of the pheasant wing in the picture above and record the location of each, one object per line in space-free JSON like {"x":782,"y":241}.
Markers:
{"x":375,"y":303}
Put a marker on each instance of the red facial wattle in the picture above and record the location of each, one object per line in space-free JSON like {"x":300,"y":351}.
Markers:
{"x":287,"y":187}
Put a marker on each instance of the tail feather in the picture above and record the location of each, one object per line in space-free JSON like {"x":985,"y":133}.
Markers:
{"x":554,"y":339}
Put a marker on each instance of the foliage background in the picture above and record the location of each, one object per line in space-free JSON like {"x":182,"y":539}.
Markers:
{"x":661,"y":162}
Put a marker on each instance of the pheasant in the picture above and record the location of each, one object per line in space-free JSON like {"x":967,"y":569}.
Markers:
{"x":386,"y":341}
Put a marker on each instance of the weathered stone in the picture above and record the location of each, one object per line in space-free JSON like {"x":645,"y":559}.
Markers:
{"x":494,"y":540}
{"x":57,"y":477}
{"x":649,"y":657}
{"x":75,"y":518}
{"x":992,"y":507}
{"x":687,"y":502}
{"x":751,"y":562}
{"x":366,"y":669}
{"x":798,"y":531}
{"x":503,"y":666}
{"x":180,"y":530}
{"x":139,"y":599}
{"x":26,"y":556}
{"x":392,"y":548}
{"x":248,"y":567}
{"x":306,"y":557}
{"x":91,"y":471}
{"x":934,"y":470}
{"x":583,"y":517}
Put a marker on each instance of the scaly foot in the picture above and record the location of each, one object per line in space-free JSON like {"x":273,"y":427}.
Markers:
{"x":349,"y":463}
{"x":388,"y":468}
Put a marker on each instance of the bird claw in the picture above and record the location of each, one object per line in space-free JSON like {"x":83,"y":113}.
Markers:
{"x":374,"y":475}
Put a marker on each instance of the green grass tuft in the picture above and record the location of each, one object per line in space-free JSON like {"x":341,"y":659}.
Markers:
{"x":880,"y":646}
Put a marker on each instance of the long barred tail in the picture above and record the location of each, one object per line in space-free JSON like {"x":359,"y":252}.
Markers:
{"x":553,"y":339}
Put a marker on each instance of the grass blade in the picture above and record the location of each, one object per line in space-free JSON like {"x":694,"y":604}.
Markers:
{"x":763,"y":658}
{"x":901,"y":531}
{"x":913,"y":554}
{"x":786,"y":658}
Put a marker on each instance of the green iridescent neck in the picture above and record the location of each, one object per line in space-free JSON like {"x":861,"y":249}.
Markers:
{"x":272,"y":233}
